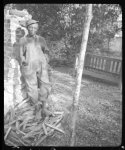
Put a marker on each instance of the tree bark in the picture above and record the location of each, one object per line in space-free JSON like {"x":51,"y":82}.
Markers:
{"x":120,"y":81}
{"x":108,"y":44}
{"x":80,"y":70}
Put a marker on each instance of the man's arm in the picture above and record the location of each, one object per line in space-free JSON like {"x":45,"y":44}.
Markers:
{"x":21,"y":51}
{"x":44,"y":48}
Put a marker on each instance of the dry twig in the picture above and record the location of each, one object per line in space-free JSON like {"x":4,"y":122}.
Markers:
{"x":53,"y":127}
{"x":7,"y":133}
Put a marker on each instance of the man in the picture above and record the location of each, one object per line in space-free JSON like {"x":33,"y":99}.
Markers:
{"x":34,"y":65}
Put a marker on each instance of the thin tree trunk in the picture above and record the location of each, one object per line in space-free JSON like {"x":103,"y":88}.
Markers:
{"x":80,"y":70}
{"x":108,"y":43}
{"x":120,"y":81}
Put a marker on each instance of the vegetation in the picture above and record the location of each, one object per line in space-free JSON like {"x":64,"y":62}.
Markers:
{"x":64,"y":22}
{"x":98,"y":111}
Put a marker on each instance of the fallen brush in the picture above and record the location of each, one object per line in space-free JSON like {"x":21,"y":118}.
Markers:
{"x":23,"y":128}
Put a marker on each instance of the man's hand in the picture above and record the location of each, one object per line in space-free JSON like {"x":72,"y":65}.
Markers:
{"x":24,"y":63}
{"x":47,"y":58}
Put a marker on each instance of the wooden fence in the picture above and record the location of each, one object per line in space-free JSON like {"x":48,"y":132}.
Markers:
{"x":103,"y":67}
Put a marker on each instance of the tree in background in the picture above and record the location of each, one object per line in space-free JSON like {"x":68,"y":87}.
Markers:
{"x":47,"y":15}
{"x":103,"y":26}
{"x":65,"y":21}
{"x":105,"y":23}
{"x":80,"y":69}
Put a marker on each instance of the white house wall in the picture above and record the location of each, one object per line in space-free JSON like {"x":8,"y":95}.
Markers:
{"x":12,"y":86}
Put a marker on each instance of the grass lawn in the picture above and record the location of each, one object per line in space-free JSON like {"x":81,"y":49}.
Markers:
{"x":99,"y":116}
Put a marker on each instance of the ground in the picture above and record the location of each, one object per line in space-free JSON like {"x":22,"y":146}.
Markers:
{"x":99,"y":120}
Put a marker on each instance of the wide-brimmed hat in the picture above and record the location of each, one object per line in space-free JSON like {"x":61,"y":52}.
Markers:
{"x":29,"y":22}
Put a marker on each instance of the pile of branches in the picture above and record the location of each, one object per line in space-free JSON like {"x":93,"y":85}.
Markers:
{"x":21,"y":128}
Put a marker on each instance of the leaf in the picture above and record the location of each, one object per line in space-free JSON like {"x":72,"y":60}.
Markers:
{"x":44,"y":128}
{"x":34,"y":131}
{"x":55,"y":128}
{"x":21,"y":132}
{"x":40,"y":140}
{"x":12,"y":112}
{"x":17,"y":124}
{"x":11,"y":143}
{"x":7,"y":133}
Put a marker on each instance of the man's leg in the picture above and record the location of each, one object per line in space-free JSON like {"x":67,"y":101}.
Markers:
{"x":45,"y":87}
{"x":31,"y":85}
{"x":44,"y":93}
{"x":23,"y":87}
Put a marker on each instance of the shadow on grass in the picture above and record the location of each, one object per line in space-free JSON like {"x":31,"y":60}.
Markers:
{"x":99,"y":121}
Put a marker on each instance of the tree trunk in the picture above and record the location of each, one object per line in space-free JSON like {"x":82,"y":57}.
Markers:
{"x":80,"y":70}
{"x":120,"y":81}
{"x":108,"y":43}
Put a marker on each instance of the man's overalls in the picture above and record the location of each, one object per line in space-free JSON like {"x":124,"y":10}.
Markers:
{"x":34,"y":67}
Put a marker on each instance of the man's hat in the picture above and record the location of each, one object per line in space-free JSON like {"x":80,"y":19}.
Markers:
{"x":29,"y":22}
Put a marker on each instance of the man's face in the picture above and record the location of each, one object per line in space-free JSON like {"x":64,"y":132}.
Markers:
{"x":32,"y":29}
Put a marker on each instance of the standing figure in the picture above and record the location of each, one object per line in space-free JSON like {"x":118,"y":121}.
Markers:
{"x":34,"y":65}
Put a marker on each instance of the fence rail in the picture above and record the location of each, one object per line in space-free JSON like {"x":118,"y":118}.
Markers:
{"x":103,"y":67}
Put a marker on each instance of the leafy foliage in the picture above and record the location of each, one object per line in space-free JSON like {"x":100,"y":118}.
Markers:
{"x":65,"y":21}
{"x":47,"y":16}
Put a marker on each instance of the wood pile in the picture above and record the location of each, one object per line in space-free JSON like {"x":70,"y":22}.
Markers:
{"x":23,"y":128}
